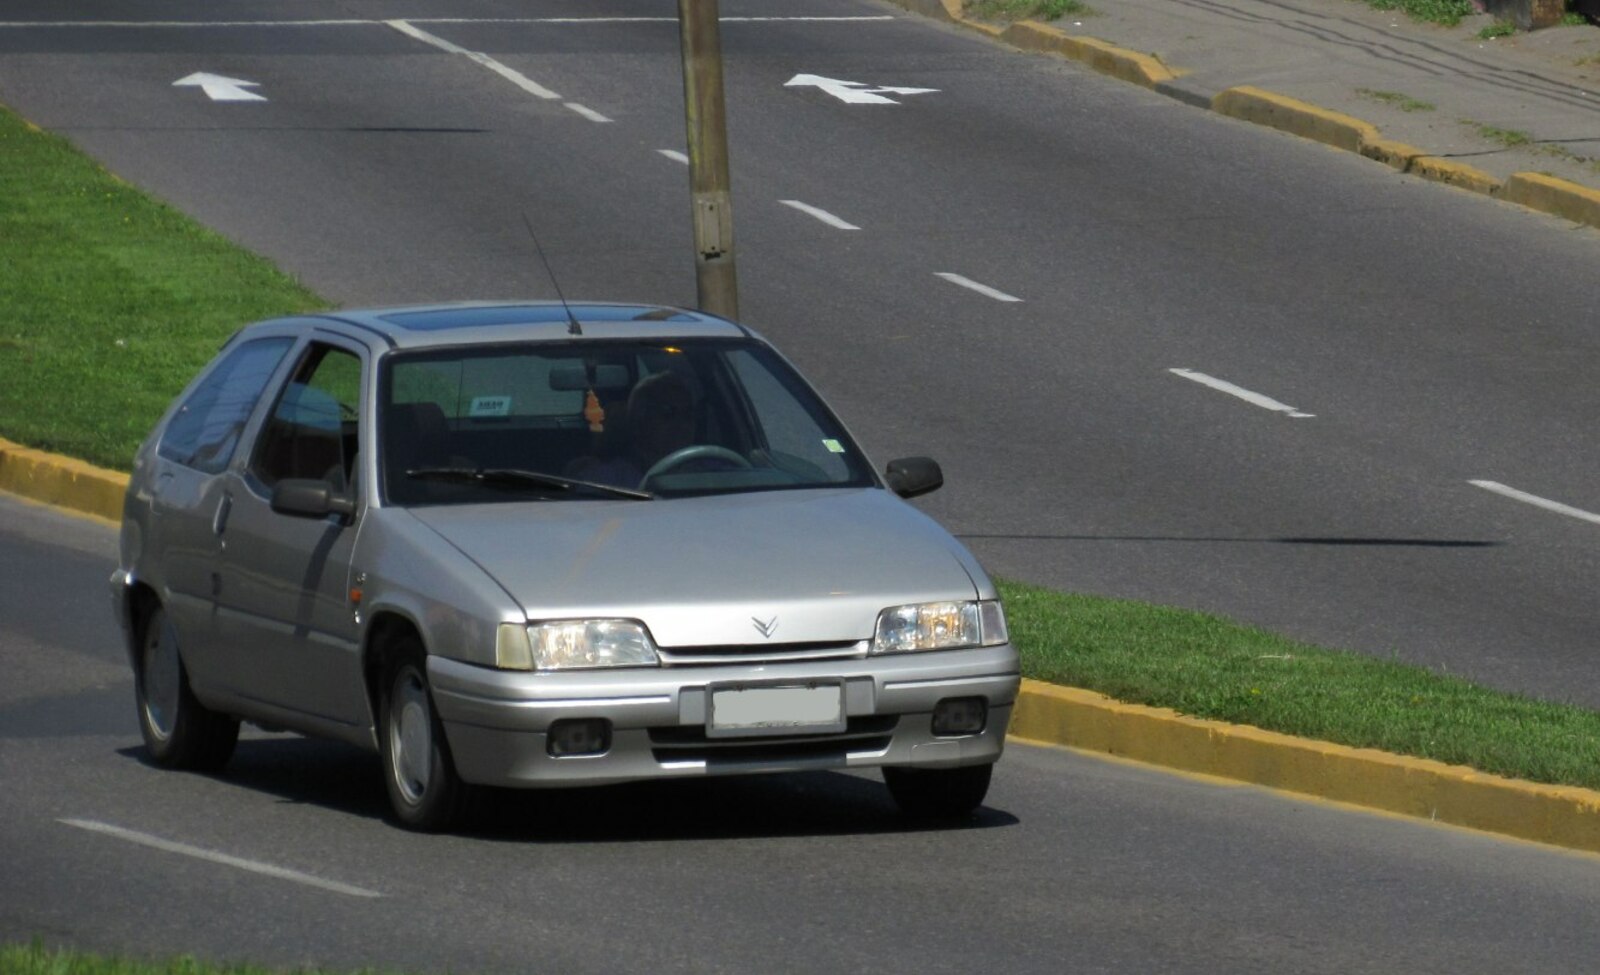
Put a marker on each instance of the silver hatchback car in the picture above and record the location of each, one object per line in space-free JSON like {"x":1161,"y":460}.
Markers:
{"x":537,"y":545}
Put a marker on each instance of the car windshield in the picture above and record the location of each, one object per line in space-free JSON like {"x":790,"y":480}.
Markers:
{"x":570,"y":420}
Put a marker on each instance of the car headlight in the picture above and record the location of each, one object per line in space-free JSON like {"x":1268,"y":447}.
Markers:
{"x":940,"y":626}
{"x":574,"y":644}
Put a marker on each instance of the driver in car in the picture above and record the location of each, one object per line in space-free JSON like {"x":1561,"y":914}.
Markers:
{"x":660,"y":420}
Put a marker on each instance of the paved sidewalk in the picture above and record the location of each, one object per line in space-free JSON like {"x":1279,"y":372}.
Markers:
{"x":1344,"y":56}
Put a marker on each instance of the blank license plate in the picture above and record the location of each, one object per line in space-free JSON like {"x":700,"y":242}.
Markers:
{"x":788,"y":710}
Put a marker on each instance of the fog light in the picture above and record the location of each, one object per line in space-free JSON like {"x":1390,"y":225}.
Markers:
{"x":578,"y":736}
{"x":960,"y":716}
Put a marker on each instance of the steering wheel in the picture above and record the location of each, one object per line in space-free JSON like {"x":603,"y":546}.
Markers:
{"x":684,"y":455}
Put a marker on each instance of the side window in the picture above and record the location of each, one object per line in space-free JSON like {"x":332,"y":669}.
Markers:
{"x":312,"y":432}
{"x":205,"y":430}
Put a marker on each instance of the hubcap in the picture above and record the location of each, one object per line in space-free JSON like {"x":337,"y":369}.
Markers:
{"x":161,"y":677}
{"x":411,"y":736}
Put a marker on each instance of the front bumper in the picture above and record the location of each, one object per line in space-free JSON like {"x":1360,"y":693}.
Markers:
{"x":496,"y":721}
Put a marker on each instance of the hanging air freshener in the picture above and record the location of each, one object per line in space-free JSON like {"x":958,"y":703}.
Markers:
{"x":594,"y":413}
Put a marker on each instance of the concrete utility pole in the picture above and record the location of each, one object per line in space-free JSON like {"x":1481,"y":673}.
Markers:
{"x":708,"y":157}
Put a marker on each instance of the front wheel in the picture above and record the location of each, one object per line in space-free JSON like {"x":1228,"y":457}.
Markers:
{"x":179,"y":732}
{"x":424,"y":790}
{"x":943,"y":793}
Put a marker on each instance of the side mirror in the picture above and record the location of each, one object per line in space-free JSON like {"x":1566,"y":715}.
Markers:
{"x":307,"y":498}
{"x":913,"y":476}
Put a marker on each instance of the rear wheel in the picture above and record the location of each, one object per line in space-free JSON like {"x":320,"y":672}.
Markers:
{"x":424,"y":790}
{"x":943,"y":793}
{"x":179,"y":732}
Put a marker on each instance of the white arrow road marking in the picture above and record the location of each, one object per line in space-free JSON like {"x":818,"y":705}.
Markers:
{"x":1537,"y":502}
{"x":266,"y":869}
{"x":981,"y":289}
{"x":1255,"y":399}
{"x":820,"y":214}
{"x":221,"y":89}
{"x":852,"y":92}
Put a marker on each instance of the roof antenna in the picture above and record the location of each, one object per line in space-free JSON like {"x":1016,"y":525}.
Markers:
{"x":573,"y":328}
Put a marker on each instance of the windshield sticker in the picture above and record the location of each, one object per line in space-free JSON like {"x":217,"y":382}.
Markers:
{"x":490,"y":406}
{"x":594,"y":413}
{"x":834,"y":446}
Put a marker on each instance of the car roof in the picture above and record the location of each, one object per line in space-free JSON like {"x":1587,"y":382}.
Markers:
{"x":478,"y":322}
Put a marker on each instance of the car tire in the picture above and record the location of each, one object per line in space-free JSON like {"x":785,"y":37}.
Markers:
{"x":179,"y":732}
{"x":425,"y":792}
{"x":945,"y":793}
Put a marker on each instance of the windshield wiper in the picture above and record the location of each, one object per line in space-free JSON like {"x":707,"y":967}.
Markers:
{"x":512,"y":477}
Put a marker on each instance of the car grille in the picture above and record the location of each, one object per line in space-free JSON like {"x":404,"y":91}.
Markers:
{"x":761,"y":653}
{"x":871,"y":733}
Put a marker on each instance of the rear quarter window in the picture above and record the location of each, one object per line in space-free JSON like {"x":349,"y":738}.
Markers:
{"x":205,"y":430}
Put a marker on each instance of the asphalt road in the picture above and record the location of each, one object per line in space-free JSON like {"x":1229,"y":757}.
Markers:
{"x":1075,"y":864}
{"x":1437,"y":339}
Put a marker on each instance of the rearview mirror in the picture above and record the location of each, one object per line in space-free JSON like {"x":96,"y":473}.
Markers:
{"x":913,"y":476}
{"x":575,"y":378}
{"x":307,"y":498}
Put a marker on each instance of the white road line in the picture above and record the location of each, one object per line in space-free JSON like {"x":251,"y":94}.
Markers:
{"x":586,"y":112}
{"x":1537,"y":502}
{"x":674,"y":155}
{"x":1256,"y":399}
{"x":185,"y":849}
{"x":981,"y":289}
{"x":820,"y":214}
{"x":515,"y":77}
{"x":353,"y":22}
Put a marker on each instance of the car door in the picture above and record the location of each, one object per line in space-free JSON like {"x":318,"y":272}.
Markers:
{"x":182,"y":544}
{"x":284,"y":609}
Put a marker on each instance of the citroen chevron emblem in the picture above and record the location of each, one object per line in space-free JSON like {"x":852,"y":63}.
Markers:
{"x":766,"y":628}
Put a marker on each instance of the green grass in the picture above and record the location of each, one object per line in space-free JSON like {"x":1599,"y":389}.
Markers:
{"x":112,"y":300}
{"x":1008,"y":10}
{"x":1446,"y":13}
{"x":1500,"y":28}
{"x":1510,"y":138}
{"x":1404,"y":103}
{"x":1208,"y":667}
{"x":35,"y":959}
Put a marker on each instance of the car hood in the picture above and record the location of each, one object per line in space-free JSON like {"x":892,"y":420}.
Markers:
{"x":704,"y":571}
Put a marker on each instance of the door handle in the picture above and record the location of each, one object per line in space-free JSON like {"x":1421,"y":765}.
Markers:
{"x":219,"y":521}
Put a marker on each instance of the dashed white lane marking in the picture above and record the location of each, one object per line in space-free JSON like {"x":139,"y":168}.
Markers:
{"x":674,"y":155}
{"x":510,"y":74}
{"x":1537,"y":502}
{"x":1255,"y":399}
{"x":820,"y":214}
{"x":586,"y":112}
{"x":981,"y":289}
{"x":266,"y":869}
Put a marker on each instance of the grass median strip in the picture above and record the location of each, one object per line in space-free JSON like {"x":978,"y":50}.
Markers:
{"x":35,"y":959}
{"x":1209,"y":667}
{"x":113,"y":301}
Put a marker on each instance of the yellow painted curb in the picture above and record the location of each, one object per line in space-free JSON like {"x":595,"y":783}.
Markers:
{"x":1554,"y":196}
{"x":61,"y":481}
{"x":1141,"y":69}
{"x":1417,"y":162}
{"x":1558,"y":815}
{"x":1292,"y":115}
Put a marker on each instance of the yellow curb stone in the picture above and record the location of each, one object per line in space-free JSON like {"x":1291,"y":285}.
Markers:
{"x":62,"y":481}
{"x":1456,"y":174}
{"x":1559,"y":815}
{"x":1108,"y":59}
{"x":1304,"y":119}
{"x":1558,"y":197}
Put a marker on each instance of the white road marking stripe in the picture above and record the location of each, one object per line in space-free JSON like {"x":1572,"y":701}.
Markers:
{"x":981,"y":289}
{"x":674,"y":155}
{"x":1256,"y":399}
{"x":587,"y":112}
{"x":820,"y":214}
{"x":515,"y":77}
{"x":185,"y":849}
{"x":352,"y":22}
{"x":1537,"y":502}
